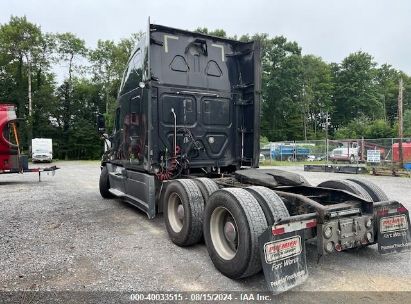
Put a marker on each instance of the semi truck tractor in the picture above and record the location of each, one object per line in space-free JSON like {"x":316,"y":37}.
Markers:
{"x":185,"y":144}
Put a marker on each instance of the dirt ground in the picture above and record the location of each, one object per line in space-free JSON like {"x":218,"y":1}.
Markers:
{"x":59,"y":234}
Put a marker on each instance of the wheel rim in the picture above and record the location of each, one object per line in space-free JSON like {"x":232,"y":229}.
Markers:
{"x":175,"y":210}
{"x":224,"y":233}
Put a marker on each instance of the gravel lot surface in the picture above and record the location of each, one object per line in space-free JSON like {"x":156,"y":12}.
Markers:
{"x":60,"y":234}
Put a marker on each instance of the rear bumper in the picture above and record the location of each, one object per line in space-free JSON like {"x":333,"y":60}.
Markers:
{"x":42,"y":159}
{"x":282,"y":246}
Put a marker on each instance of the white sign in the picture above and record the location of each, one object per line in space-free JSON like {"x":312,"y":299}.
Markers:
{"x":279,"y":250}
{"x":393,"y":223}
{"x":373,"y":156}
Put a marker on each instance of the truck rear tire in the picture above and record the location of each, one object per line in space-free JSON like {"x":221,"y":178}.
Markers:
{"x":183,"y":212}
{"x":376,"y":193}
{"x":207,"y":187}
{"x":271,"y":204}
{"x":233,"y":221}
{"x":104,"y":184}
{"x":346,"y":185}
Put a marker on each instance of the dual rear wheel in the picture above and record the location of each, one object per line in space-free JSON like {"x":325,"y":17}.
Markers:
{"x":229,"y":219}
{"x":233,"y":221}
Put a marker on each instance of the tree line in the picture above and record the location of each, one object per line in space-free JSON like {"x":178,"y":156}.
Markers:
{"x":63,"y":111}
{"x":300,"y":93}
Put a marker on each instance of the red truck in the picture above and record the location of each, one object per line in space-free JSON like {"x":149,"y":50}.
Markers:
{"x":11,"y":160}
{"x":406,"y":152}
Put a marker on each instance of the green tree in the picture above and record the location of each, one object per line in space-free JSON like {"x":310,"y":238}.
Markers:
{"x":78,"y":137}
{"x":103,"y":58}
{"x":387,"y":79}
{"x":217,"y":32}
{"x":356,"y":128}
{"x":380,"y":128}
{"x":84,"y":141}
{"x":109,"y":59}
{"x":407,"y":90}
{"x":356,"y":89}
{"x":363,"y":127}
{"x":69,"y":48}
{"x":21,"y":45}
{"x":407,"y":122}
{"x":281,"y":89}
{"x":316,"y":95}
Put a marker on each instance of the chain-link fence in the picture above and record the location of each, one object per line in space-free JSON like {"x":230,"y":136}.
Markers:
{"x":381,"y":151}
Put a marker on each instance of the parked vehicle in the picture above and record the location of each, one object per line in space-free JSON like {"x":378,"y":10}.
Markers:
{"x":348,"y":151}
{"x":311,"y":158}
{"x":186,"y":144}
{"x":11,"y":159}
{"x":354,"y":151}
{"x":290,"y":152}
{"x":42,"y":150}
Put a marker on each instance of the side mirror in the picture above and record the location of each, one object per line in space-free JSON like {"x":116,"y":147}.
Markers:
{"x":101,"y":123}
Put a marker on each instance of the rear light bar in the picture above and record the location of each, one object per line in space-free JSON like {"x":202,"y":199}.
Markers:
{"x":402,"y":209}
{"x":293,"y":226}
{"x":384,"y":212}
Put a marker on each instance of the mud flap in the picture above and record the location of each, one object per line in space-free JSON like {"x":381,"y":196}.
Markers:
{"x":394,"y":229}
{"x":283,"y":259}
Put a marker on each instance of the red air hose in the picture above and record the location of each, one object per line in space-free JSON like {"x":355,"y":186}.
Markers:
{"x":168,"y":173}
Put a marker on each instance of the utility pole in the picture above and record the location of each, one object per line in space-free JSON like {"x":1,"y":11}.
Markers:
{"x":304,"y":114}
{"x":400,"y":123}
{"x":326,"y":137}
{"x":30,"y":99}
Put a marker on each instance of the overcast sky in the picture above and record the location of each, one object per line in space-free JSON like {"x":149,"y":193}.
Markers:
{"x":328,"y":28}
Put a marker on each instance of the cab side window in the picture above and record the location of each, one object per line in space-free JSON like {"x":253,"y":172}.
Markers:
{"x":134,"y":73}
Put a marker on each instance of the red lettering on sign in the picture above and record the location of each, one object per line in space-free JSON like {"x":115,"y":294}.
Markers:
{"x":283,"y":246}
{"x":393,"y":221}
